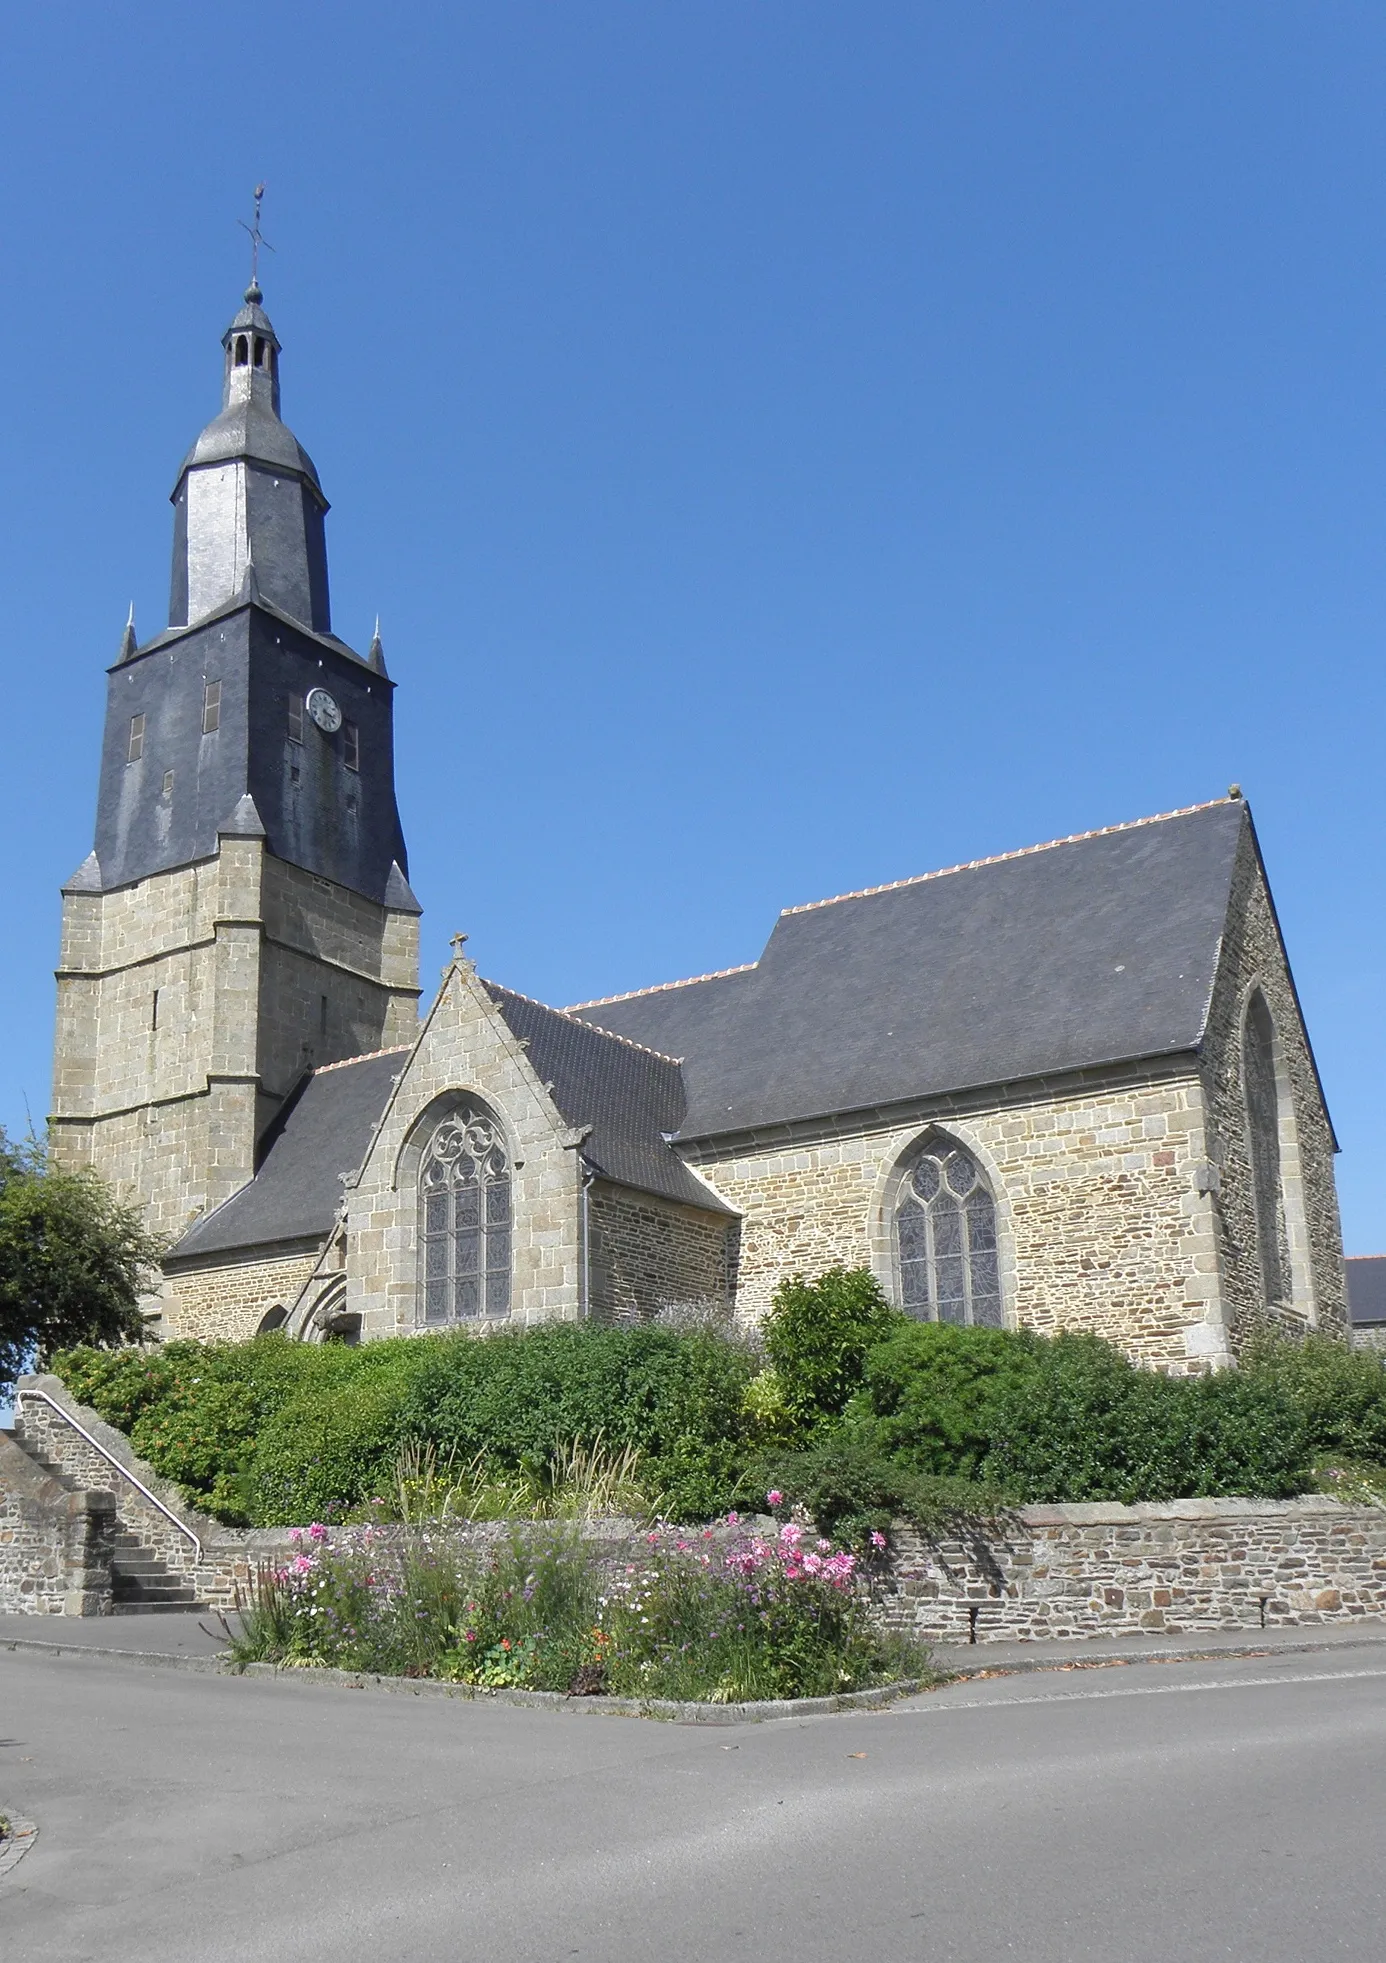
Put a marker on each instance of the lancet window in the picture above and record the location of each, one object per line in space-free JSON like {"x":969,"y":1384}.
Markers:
{"x":1263,"y":1128}
{"x":464,"y":1219}
{"x":945,"y":1225}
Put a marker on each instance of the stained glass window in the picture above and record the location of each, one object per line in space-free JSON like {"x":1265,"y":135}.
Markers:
{"x":945,"y":1225}
{"x":1263,"y":1126}
{"x":464,"y":1220}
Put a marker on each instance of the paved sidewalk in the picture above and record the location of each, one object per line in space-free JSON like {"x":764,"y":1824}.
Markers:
{"x":1148,"y":1648}
{"x":154,"y":1635}
{"x":199,"y":1634}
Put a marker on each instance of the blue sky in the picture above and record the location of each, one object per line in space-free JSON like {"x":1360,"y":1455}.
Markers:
{"x":789,"y":447}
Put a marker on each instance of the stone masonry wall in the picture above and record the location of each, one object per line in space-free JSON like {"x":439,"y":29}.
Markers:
{"x":189,"y":1004}
{"x":55,"y":1545}
{"x":1187,"y":1566}
{"x":1100,"y":1218}
{"x":647,"y":1254}
{"x":229,"y":1302}
{"x":466,"y":1050}
{"x":1253,"y":957}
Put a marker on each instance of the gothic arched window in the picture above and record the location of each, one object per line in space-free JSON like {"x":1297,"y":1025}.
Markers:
{"x":464,"y":1219}
{"x":1263,"y":1131}
{"x":945,"y":1226}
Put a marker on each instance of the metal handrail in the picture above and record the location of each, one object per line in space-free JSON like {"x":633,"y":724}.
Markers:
{"x":112,"y":1460}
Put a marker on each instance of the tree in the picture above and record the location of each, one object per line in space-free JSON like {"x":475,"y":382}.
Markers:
{"x":74,"y":1261}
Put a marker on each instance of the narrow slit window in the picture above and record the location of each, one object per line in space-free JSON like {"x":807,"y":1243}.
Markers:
{"x":322,"y":1015}
{"x":211,"y":707}
{"x":168,"y":783}
{"x":154,"y":1011}
{"x":295,"y":718}
{"x":351,"y":745}
{"x":135,"y":749}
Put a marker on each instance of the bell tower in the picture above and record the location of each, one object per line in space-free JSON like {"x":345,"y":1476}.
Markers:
{"x":245,"y":914}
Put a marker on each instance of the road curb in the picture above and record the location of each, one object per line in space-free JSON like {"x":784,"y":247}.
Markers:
{"x":321,"y":1677}
{"x":670,"y":1711}
{"x":16,"y":1844}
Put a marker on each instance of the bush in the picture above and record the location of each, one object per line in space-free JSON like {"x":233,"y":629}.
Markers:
{"x":1339,"y":1393}
{"x":318,"y":1457}
{"x":931,"y":1392}
{"x":519,"y":1397}
{"x":850,"y":1488}
{"x":1087,"y":1425}
{"x":273,"y":1432}
{"x":817,"y":1336}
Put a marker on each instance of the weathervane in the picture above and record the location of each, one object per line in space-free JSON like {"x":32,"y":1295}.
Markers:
{"x":257,"y":239}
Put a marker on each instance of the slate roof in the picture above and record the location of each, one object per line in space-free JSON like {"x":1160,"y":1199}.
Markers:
{"x":632,"y":1098}
{"x":1086,"y":952}
{"x":1366,"y":1289}
{"x":322,"y":1134}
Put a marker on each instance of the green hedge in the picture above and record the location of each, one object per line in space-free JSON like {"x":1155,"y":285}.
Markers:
{"x":871,"y":1413}
{"x":273,"y":1433}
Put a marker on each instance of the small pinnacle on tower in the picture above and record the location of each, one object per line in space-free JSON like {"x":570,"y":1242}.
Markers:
{"x":375,"y":654}
{"x":1234,"y":791}
{"x":128,"y":644}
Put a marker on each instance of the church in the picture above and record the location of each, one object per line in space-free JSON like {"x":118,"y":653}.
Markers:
{"x":1068,"y":1087}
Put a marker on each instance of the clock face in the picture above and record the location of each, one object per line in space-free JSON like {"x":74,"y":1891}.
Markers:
{"x":323,"y":709}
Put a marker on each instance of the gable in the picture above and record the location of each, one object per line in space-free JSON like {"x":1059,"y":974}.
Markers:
{"x":1089,"y":952}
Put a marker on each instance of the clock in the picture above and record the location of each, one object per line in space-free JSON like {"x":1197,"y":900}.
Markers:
{"x":322,"y":707}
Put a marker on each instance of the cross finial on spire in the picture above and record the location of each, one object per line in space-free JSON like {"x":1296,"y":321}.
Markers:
{"x":459,"y":941}
{"x":257,"y":239}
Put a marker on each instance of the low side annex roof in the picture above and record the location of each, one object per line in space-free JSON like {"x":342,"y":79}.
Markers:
{"x":1089,"y":951}
{"x":320,"y":1138}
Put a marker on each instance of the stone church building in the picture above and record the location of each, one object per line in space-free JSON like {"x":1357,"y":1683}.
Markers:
{"x":1067,"y":1087}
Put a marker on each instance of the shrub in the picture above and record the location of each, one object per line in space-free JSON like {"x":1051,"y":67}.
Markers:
{"x":850,"y":1488}
{"x":1087,"y":1425}
{"x":817,"y":1336}
{"x":318,"y":1456}
{"x":930,"y":1394}
{"x":519,"y":1397}
{"x":1339,"y":1393}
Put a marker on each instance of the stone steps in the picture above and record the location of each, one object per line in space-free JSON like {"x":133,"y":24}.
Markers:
{"x":142,"y":1583}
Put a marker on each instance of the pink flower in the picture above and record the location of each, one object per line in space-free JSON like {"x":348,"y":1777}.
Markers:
{"x":301,"y":1564}
{"x":877,"y":1540}
{"x":775,"y":1498}
{"x":653,"y":1539}
{"x":733,"y":1519}
{"x":317,"y":1531}
{"x":790,"y":1535}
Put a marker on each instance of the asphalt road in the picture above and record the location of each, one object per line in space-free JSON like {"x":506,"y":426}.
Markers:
{"x":1174,"y":1812}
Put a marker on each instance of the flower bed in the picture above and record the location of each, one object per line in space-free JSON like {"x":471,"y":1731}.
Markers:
{"x":729,"y":1614}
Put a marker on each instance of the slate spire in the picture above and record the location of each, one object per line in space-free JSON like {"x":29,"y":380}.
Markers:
{"x":248,"y":492}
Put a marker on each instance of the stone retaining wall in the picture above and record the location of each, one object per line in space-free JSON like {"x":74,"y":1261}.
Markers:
{"x":1182,"y":1567}
{"x":1042,"y":1572}
{"x":55,"y":1545}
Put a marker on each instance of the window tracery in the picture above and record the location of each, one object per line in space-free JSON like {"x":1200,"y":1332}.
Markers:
{"x":945,"y":1225}
{"x":464,"y":1219}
